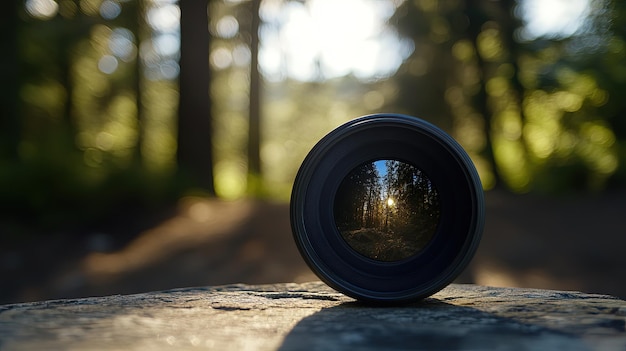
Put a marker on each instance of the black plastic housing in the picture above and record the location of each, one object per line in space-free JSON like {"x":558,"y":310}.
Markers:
{"x":376,"y":137}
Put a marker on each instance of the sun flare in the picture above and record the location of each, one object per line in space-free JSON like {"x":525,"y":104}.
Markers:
{"x":390,"y":202}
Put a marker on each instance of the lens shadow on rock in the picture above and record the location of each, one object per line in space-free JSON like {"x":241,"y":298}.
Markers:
{"x":428,"y":325}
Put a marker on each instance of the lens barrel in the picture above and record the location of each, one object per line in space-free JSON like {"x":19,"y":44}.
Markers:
{"x":319,"y":189}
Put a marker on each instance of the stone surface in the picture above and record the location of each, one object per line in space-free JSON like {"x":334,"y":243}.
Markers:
{"x":312,"y":316}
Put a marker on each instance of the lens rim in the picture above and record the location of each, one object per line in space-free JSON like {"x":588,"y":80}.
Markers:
{"x":399,"y":137}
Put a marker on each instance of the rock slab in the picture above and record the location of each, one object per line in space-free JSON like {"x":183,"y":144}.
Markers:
{"x":312,"y":316}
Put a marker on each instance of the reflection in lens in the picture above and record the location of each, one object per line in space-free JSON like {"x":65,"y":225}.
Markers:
{"x":387,"y":210}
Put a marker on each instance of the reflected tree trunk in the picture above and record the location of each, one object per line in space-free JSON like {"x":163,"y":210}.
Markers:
{"x":194,"y":153}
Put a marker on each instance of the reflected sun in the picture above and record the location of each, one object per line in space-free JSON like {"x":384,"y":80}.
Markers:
{"x":390,"y":202}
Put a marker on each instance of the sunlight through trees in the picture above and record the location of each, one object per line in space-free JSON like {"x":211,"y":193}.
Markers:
{"x":390,"y":203}
{"x":531,"y":89}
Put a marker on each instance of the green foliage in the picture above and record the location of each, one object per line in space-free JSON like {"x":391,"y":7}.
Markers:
{"x":88,"y":124}
{"x":535,"y":115}
{"x":53,"y":190}
{"x":71,"y":154}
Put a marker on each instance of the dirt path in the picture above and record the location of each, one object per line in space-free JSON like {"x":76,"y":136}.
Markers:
{"x":573,"y":243}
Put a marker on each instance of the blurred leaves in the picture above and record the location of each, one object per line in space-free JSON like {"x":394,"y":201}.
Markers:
{"x":536,"y":114}
{"x":90,"y":95}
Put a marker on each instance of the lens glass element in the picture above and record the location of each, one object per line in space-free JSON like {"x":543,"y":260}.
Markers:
{"x":387,"y":210}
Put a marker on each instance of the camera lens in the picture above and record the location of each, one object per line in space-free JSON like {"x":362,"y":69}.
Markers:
{"x":387,"y":208}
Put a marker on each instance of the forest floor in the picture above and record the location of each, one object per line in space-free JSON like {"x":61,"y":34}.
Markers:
{"x":567,"y":243}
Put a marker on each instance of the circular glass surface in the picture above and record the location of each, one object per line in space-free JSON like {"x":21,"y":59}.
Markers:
{"x":387,"y":210}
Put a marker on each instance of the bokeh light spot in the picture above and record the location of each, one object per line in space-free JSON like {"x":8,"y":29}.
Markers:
{"x":110,"y":9}
{"x":169,"y":69}
{"x":463,"y":50}
{"x":227,"y":27}
{"x":552,"y":18}
{"x":104,"y":141}
{"x":165,"y":18}
{"x":42,"y":9}
{"x":241,"y":55}
{"x":221,"y":58}
{"x":90,"y":7}
{"x":489,"y":44}
{"x":167,"y":44}
{"x":496,"y":86}
{"x":121,"y":43}
{"x":107,"y":64}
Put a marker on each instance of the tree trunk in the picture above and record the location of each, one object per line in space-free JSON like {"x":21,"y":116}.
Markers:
{"x":9,"y":76}
{"x":254,"y":132}
{"x":194,"y":153}
{"x":139,"y":28}
{"x":477,"y":18}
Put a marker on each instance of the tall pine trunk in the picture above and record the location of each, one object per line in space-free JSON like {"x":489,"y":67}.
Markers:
{"x":254,"y":131}
{"x":9,"y":76}
{"x":195,"y":147}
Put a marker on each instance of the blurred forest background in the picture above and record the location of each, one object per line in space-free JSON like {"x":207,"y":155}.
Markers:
{"x":119,"y":115}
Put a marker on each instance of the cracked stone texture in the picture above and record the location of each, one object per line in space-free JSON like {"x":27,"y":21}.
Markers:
{"x":312,"y":316}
